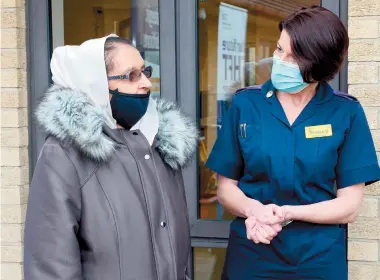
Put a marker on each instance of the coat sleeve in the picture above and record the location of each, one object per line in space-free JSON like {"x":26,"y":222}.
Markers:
{"x":51,"y":249}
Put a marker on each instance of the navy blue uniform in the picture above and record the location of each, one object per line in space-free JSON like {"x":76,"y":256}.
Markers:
{"x":328,"y":147}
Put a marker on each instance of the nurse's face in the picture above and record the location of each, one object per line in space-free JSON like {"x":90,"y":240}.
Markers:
{"x":284,"y":48}
{"x":287,"y":76}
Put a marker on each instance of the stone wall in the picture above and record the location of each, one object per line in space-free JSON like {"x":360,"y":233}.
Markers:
{"x":364,"y":83}
{"x":14,"y":137}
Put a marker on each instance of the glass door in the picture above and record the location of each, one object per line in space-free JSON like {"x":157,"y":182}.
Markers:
{"x":228,"y":48}
{"x":191,"y":71}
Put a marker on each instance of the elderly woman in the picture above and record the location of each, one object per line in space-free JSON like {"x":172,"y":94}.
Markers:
{"x":293,"y":158}
{"x":107,"y":199}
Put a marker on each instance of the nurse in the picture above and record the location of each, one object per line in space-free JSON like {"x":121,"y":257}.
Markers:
{"x":293,"y":159}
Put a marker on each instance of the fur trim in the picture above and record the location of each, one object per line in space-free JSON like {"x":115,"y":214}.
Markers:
{"x":69,"y":116}
{"x":177,"y":135}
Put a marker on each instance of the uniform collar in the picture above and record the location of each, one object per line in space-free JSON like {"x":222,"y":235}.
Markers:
{"x":324,"y":93}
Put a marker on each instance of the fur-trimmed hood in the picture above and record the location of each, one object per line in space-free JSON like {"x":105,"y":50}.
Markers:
{"x":69,"y":116}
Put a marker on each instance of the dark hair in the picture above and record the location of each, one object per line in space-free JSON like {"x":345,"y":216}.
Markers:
{"x":109,"y":46}
{"x":319,"y":42}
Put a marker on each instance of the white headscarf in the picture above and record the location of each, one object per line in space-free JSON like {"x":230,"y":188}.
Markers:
{"x":82,"y":68}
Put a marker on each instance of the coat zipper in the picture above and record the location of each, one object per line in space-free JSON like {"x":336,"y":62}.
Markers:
{"x":146,"y":203}
{"x":165,"y":209}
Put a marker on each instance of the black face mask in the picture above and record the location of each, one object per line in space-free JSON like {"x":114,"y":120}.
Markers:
{"x":128,"y":109}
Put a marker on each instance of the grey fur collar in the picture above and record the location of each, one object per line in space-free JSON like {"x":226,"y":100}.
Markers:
{"x":69,"y":116}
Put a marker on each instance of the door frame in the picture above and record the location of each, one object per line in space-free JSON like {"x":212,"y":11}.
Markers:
{"x":179,"y":82}
{"x":179,"y":79}
{"x":38,"y":74}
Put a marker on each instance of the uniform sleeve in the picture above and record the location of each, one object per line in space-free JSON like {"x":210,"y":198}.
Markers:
{"x":52,"y":220}
{"x":357,"y":161}
{"x":225,"y":157}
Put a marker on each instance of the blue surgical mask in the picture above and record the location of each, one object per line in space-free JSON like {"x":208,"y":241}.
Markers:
{"x":287,"y":77}
{"x":128,"y":109}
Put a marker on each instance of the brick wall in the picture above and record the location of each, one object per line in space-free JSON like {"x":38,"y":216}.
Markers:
{"x":364,"y":82}
{"x":14,"y":137}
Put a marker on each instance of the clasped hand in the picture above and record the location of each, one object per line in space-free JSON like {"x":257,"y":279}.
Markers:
{"x":265,"y":223}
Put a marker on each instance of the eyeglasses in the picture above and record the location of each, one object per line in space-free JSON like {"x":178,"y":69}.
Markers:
{"x":134,"y":75}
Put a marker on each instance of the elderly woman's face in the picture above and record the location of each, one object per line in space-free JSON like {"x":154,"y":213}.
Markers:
{"x":125,"y":60}
{"x":284,"y":48}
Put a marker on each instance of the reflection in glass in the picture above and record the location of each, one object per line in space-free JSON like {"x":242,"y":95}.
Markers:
{"x":208,"y":263}
{"x":236,"y":39}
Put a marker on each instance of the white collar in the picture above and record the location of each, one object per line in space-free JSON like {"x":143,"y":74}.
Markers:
{"x":148,"y":124}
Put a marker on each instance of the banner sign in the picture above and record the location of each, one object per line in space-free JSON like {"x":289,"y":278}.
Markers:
{"x":231,"y":49}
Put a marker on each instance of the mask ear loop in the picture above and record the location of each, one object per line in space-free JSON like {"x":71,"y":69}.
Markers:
{"x":114,"y":92}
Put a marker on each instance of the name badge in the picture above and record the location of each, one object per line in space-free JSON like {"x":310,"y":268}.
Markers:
{"x":318,"y":131}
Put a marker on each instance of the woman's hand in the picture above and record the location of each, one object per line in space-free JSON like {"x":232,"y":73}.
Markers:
{"x":264,"y":222}
{"x":259,"y":232}
{"x":270,"y":214}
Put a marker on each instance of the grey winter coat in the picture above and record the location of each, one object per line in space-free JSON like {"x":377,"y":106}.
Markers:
{"x":103,"y":203}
